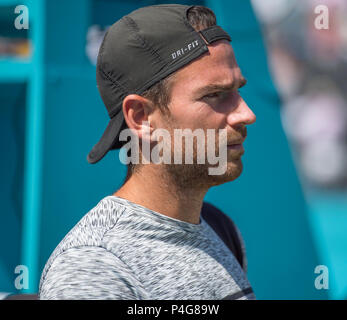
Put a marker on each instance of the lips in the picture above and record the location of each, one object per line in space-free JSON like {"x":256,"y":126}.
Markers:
{"x":239,"y":141}
{"x":236,"y":145}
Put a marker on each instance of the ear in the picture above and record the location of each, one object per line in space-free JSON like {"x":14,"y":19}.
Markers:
{"x":137,"y":111}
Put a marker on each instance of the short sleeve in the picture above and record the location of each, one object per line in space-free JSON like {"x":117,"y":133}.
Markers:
{"x":90,"y":273}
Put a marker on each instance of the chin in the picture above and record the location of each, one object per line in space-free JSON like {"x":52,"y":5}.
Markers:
{"x":233,"y":171}
{"x":197,"y":176}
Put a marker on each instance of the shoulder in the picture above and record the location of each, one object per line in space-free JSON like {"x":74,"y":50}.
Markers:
{"x":88,"y":232}
{"x":90,"y":273}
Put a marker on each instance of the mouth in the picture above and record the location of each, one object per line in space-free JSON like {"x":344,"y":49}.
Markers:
{"x":237,"y":145}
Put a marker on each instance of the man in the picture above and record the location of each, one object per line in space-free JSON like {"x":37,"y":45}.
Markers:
{"x":161,"y":67}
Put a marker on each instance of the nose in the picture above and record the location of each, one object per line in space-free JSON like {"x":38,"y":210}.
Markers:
{"x":241,"y":114}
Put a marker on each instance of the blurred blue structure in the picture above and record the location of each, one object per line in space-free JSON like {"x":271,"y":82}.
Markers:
{"x":266,"y":201}
{"x":58,"y":116}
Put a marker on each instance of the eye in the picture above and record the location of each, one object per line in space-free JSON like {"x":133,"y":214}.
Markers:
{"x":214,"y":95}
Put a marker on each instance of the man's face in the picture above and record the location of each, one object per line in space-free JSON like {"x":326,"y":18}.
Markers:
{"x":205,"y":95}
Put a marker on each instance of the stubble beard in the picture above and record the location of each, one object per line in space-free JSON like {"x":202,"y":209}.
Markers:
{"x":188,"y":176}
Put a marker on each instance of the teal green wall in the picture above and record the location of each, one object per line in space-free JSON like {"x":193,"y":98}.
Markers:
{"x":266,"y":201}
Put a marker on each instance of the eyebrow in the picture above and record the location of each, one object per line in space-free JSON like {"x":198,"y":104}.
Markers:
{"x":220,"y":87}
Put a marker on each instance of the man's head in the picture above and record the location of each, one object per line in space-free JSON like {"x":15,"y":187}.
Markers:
{"x":202,"y":94}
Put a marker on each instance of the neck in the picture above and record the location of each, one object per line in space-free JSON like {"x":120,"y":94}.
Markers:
{"x":153,"y":188}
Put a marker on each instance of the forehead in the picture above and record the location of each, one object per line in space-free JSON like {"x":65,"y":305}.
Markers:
{"x":218,"y":66}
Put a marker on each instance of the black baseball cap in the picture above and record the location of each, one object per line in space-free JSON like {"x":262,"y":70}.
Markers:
{"x":138,"y":51}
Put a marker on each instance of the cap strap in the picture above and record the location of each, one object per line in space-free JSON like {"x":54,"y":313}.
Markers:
{"x":214,"y":33}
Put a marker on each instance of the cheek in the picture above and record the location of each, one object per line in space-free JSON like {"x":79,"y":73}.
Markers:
{"x":196,"y":115}
{"x":210,"y":118}
{"x":186,"y":115}
{"x":196,"y":118}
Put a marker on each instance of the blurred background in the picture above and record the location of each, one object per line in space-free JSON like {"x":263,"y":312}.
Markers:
{"x":290,"y":203}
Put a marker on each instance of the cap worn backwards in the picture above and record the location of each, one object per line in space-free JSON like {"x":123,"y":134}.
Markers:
{"x":139,"y":50}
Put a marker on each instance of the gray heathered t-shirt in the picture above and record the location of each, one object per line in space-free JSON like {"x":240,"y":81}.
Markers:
{"x":121,"y":250}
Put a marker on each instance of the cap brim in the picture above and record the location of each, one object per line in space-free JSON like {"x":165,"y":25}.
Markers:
{"x":108,"y":140}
